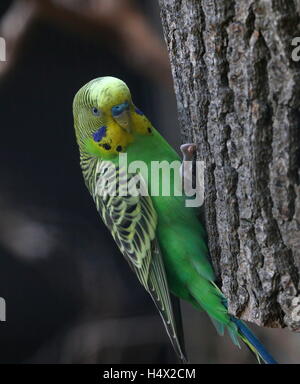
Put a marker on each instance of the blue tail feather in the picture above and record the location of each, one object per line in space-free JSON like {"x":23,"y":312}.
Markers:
{"x":245,"y":331}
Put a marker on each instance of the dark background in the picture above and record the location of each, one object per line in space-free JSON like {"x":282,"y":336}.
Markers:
{"x":70,"y":296}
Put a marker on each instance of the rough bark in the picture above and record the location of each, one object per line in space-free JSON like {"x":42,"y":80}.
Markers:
{"x":238,"y":94}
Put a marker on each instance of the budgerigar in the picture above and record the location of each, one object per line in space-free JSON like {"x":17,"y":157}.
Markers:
{"x":160,"y":237}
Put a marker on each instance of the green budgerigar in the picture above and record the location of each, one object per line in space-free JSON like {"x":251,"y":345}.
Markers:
{"x":160,"y":237}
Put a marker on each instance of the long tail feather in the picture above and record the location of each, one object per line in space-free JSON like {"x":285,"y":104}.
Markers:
{"x":252,"y":342}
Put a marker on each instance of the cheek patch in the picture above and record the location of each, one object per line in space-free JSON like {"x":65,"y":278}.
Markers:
{"x":98,"y":136}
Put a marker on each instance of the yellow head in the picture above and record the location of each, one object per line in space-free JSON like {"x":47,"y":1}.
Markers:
{"x":105,"y":118}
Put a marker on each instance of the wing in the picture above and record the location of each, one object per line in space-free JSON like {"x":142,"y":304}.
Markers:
{"x":132,"y":220}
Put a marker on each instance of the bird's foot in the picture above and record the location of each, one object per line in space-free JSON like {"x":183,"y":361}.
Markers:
{"x":192,"y":176}
{"x":186,"y":170}
{"x":188,"y":151}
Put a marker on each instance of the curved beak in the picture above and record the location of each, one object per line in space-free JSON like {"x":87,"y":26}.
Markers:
{"x":121,"y":114}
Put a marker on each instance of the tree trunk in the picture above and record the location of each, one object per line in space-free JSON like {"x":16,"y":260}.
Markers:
{"x":238,"y":95}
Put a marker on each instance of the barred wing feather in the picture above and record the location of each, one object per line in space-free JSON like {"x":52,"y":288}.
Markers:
{"x":132,"y":221}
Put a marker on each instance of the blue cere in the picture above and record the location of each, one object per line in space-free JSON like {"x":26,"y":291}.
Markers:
{"x":118,"y":109}
{"x":138,"y":111}
{"x":98,"y":136}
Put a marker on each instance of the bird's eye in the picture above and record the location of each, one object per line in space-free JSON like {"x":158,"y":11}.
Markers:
{"x":96,"y":111}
